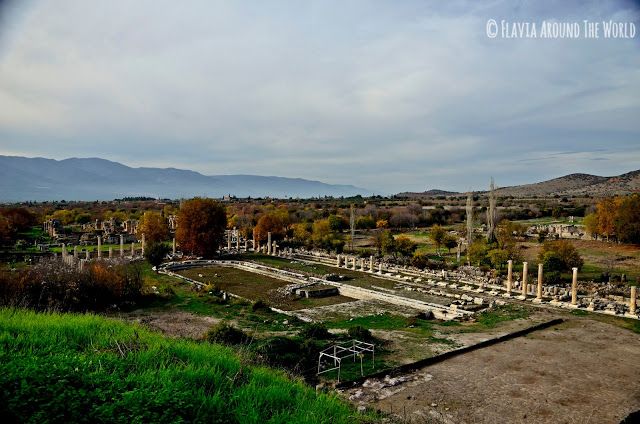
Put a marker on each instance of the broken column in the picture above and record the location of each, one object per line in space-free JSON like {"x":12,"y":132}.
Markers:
{"x":229,"y":240}
{"x":632,"y":300}
{"x":110,"y":252}
{"x":87,"y":254}
{"x":525,"y":270}
{"x":380,"y":268}
{"x":133,"y":249}
{"x":269,"y":243}
{"x":370,"y":263}
{"x":274,"y":248}
{"x":121,"y":245}
{"x":75,"y":252}
{"x":99,"y":247}
{"x":362,"y":264}
{"x":574,"y":287}
{"x":539,"y":291}
{"x":509,"y":276}
{"x":338,"y":261}
{"x":353,"y":264}
{"x":173,"y":246}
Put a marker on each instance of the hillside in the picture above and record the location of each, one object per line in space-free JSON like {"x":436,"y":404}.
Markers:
{"x":569,"y":185}
{"x":84,"y":368}
{"x":554,"y":186}
{"x":39,"y":179}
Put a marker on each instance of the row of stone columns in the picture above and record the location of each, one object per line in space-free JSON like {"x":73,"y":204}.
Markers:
{"x":363,"y":267}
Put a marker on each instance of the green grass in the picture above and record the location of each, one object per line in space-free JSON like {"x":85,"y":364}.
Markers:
{"x":491,"y":318}
{"x":177,"y":294}
{"x":84,"y":368}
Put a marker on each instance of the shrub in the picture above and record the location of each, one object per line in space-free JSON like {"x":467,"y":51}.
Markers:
{"x":360,"y":333}
{"x":226,"y":334}
{"x":259,"y":305}
{"x":315,"y":331}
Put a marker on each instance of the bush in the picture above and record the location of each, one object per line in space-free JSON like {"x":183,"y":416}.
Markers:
{"x":54,"y":285}
{"x":360,"y":333}
{"x":259,"y":305}
{"x":226,"y":334}
{"x":315,"y":331}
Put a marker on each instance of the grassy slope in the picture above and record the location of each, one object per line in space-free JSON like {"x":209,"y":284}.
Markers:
{"x":84,"y":368}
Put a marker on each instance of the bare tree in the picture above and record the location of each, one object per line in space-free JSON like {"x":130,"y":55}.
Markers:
{"x":469,"y":222}
{"x":352,"y":224}
{"x":492,"y":214}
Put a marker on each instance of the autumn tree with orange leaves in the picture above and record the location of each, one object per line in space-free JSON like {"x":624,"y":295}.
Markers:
{"x":201,"y":225}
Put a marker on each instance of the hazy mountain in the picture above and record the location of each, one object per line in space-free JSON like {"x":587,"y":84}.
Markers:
{"x":39,"y":179}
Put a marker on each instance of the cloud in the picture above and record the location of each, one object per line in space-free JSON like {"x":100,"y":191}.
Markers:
{"x":388,"y":95}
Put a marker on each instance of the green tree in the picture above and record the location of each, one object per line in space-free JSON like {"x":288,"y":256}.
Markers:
{"x":404,"y":246}
{"x":437,"y":235}
{"x":387,"y":243}
{"x":561,"y":251}
{"x":155,"y":253}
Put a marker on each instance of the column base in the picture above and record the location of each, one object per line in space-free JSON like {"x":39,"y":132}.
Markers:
{"x":536,"y":300}
{"x":521,"y":297}
{"x":628,"y":315}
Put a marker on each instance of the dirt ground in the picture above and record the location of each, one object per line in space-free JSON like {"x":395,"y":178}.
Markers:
{"x":581,"y":371}
{"x":173,"y":323}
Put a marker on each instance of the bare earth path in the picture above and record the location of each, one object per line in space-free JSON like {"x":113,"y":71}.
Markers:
{"x":581,"y":371}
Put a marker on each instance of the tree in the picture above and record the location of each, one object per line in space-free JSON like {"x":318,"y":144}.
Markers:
{"x":450,"y":242}
{"x":387,"y":243}
{"x":606,"y":212}
{"x":322,"y":236}
{"x":478,"y":252}
{"x":591,"y":224}
{"x":365,"y":222}
{"x":155,"y":253}
{"x":498,"y":257}
{"x":201,"y":225}
{"x":154,"y":227}
{"x":560,"y":254}
{"x":404,"y":246}
{"x":269,"y":223}
{"x":337,"y":223}
{"x":437,"y":235}
{"x":627,"y":220}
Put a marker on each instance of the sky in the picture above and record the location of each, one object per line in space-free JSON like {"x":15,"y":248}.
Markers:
{"x":388,"y":95}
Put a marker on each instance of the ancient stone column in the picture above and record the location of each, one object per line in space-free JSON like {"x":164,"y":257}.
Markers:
{"x":133,"y":249}
{"x":269,"y":243}
{"x":75,"y":252}
{"x":273,"y":248}
{"x":632,"y":300}
{"x":143,"y":245}
{"x":64,"y":251}
{"x":121,"y":245}
{"x":110,"y":252}
{"x":380,"y":268}
{"x":173,"y":245}
{"x":99,"y":247}
{"x":525,"y":270}
{"x":509,"y":276}
{"x":353,"y":264}
{"x":574,"y":287}
{"x":237,"y":233}
{"x":370,"y":263}
{"x":246,"y":245}
{"x":539,"y":292}
{"x":229,"y":240}
{"x":362,"y":264}
{"x":338,"y":261}
{"x":87,"y":254}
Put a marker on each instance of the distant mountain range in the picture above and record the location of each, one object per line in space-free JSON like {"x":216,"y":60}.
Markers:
{"x":40,"y":179}
{"x":569,"y":185}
